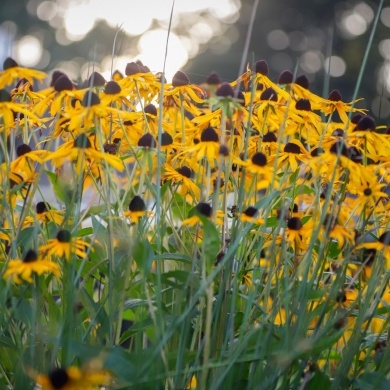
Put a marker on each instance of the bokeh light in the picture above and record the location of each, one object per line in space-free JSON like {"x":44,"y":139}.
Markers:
{"x":29,"y":51}
{"x":335,"y":66}
{"x":194,"y":24}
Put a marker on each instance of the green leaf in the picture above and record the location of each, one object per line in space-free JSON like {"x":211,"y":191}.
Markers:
{"x":143,"y":255}
{"x":319,"y":381}
{"x":85,"y":232}
{"x":26,"y":236}
{"x":211,"y":244}
{"x":62,"y":189}
{"x":372,"y":381}
{"x":132,"y":303}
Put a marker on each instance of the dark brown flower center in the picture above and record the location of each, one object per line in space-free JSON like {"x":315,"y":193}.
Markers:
{"x":270,"y":137}
{"x":58,"y":378}
{"x":303,"y":105}
{"x":112,"y":88}
{"x":261,"y":67}
{"x":42,"y":207}
{"x":209,"y":135}
{"x":204,"y":209}
{"x":180,"y":79}
{"x":367,"y":191}
{"x":147,"y":141}
{"x":64,"y":236}
{"x":385,"y":238}
{"x":151,"y":109}
{"x":90,"y":99}
{"x":269,"y":94}
{"x":132,"y":68}
{"x":166,"y":139}
{"x":30,"y":256}
{"x":294,"y":223}
{"x":137,"y":204}
{"x":286,"y":77}
{"x":185,"y":171}
{"x":334,"y":96}
{"x":22,"y":149}
{"x":251,"y":211}
{"x":292,"y":148}
{"x":303,"y":81}
{"x":225,"y":90}
{"x":213,"y":79}
{"x":96,"y":80}
{"x":63,"y":83}
{"x":259,"y":159}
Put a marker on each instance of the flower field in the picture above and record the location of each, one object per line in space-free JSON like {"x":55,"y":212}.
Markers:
{"x":163,"y":235}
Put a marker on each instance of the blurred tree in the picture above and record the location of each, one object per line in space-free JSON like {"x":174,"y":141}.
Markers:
{"x":290,"y":34}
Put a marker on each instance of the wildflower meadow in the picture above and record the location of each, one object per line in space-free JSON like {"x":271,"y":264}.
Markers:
{"x":157,"y":235}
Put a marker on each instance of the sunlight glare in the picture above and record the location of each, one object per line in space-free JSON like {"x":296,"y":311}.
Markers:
{"x":28,"y":51}
{"x":152,"y":50}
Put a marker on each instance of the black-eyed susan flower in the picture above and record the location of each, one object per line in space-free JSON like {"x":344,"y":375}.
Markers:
{"x":251,"y":215}
{"x":140,"y":83}
{"x":60,"y":94}
{"x":333,"y":104}
{"x":208,"y":147}
{"x":368,"y":189}
{"x":183,"y":176}
{"x":44,"y":213}
{"x":115,"y":96}
{"x":181,"y":86}
{"x":333,"y":228}
{"x":9,"y":110}
{"x":64,"y":245}
{"x":258,"y":174}
{"x":73,"y":378}
{"x":382,"y":245}
{"x":79,"y":151}
{"x":201,"y":208}
{"x":23,"y":165}
{"x":298,"y":234}
{"x":30,"y":264}
{"x":12,"y":71}
{"x":92,"y":112}
{"x":293,"y":154}
{"x":137,"y":209}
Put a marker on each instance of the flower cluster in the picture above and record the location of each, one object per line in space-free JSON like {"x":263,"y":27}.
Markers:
{"x":174,"y":165}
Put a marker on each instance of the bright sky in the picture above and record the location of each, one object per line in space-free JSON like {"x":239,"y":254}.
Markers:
{"x":145,"y":22}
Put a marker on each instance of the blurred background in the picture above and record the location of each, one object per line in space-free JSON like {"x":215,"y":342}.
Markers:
{"x":324,"y":39}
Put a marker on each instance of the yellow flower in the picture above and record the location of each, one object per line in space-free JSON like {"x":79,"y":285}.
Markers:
{"x":335,"y":104}
{"x":293,"y":153}
{"x":12,"y":71}
{"x":64,"y":245}
{"x":8,"y":109}
{"x":258,"y":174}
{"x":137,"y":209}
{"x":298,"y":234}
{"x":80,"y":150}
{"x":208,"y":147}
{"x":73,"y":378}
{"x":181,"y":86}
{"x":203,"y":209}
{"x":31,"y":263}
{"x":23,"y":165}
{"x":140,"y":82}
{"x":382,"y":245}
{"x":183,"y":176}
{"x":250,"y":215}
